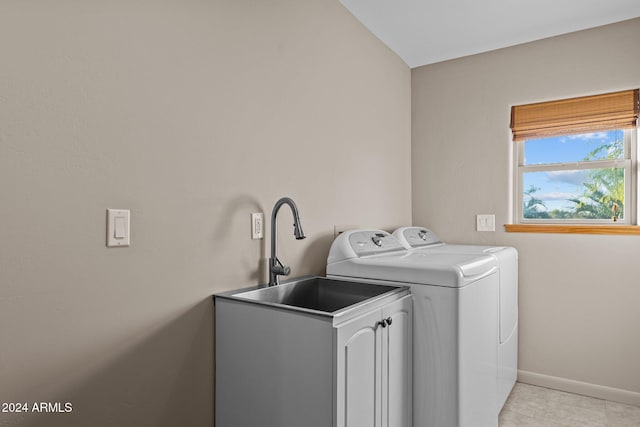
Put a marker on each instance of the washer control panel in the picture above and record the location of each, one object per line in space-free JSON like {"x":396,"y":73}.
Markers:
{"x":370,"y":242}
{"x":415,"y":237}
{"x":361,"y":243}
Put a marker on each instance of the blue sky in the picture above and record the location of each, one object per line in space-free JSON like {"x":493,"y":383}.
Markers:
{"x":558,"y":186}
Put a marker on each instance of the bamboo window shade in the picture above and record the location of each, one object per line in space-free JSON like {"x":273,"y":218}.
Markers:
{"x":618,"y":110}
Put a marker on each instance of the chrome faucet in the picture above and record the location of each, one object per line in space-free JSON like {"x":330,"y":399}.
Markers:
{"x":276,"y":268}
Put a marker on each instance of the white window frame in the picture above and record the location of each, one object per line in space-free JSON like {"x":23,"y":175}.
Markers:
{"x":628,"y":163}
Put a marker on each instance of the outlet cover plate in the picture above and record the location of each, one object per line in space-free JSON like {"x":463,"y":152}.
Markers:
{"x":257,"y":226}
{"x":485,"y":222}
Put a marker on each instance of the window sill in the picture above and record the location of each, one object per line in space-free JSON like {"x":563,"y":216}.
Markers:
{"x":572,"y":229}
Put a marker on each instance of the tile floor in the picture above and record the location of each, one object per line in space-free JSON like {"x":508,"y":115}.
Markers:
{"x":531,"y":406}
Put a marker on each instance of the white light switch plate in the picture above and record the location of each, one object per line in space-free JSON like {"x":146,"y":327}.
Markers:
{"x":118,"y":227}
{"x":486,"y":222}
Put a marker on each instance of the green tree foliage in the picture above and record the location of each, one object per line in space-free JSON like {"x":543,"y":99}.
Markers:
{"x":534,"y":207}
{"x":603,"y":195}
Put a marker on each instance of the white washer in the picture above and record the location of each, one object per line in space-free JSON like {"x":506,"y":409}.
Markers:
{"x":455,"y":322}
{"x":425,"y":240}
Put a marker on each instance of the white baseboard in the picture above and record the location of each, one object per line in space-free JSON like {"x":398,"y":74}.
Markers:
{"x":577,"y":387}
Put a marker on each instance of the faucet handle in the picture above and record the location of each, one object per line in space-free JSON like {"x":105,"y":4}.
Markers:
{"x":280,"y":269}
{"x":286,"y":270}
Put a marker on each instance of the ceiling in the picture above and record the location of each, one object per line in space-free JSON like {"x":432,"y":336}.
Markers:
{"x":426,"y":31}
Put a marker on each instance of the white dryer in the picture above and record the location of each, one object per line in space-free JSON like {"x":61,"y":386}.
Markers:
{"x":425,"y":240}
{"x":455,"y":322}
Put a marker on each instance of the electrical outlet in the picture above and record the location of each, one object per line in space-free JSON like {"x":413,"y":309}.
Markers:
{"x":486,"y":222}
{"x":257,"y":226}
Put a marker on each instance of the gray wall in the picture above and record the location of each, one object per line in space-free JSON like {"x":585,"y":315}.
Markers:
{"x":192,"y":114}
{"x":579,"y":294}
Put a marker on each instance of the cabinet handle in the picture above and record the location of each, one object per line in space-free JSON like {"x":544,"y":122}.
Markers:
{"x":384,"y":322}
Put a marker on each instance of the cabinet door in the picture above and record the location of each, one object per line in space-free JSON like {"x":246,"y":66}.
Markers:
{"x":396,"y":364}
{"x":358,"y":371}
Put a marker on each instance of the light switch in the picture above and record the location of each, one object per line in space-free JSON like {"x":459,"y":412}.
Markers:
{"x":118,"y":227}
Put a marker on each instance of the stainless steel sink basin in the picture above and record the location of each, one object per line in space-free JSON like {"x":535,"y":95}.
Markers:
{"x":316,"y":294}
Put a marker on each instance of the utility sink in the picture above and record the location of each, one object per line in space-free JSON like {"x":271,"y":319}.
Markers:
{"x":315,"y":294}
{"x":307,"y":352}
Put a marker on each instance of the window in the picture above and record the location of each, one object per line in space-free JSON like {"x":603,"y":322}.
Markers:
{"x":575,"y":161}
{"x":576,"y":178}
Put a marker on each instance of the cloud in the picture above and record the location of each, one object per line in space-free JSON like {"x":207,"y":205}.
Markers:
{"x":591,"y":136}
{"x":574,"y":177}
{"x":587,"y":136}
{"x":552,"y":196}
{"x":556,"y":196}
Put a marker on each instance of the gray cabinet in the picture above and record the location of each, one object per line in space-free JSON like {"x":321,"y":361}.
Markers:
{"x":286,"y":368}
{"x":374,"y":368}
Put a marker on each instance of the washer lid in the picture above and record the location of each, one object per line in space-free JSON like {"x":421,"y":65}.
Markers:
{"x":416,"y":267}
